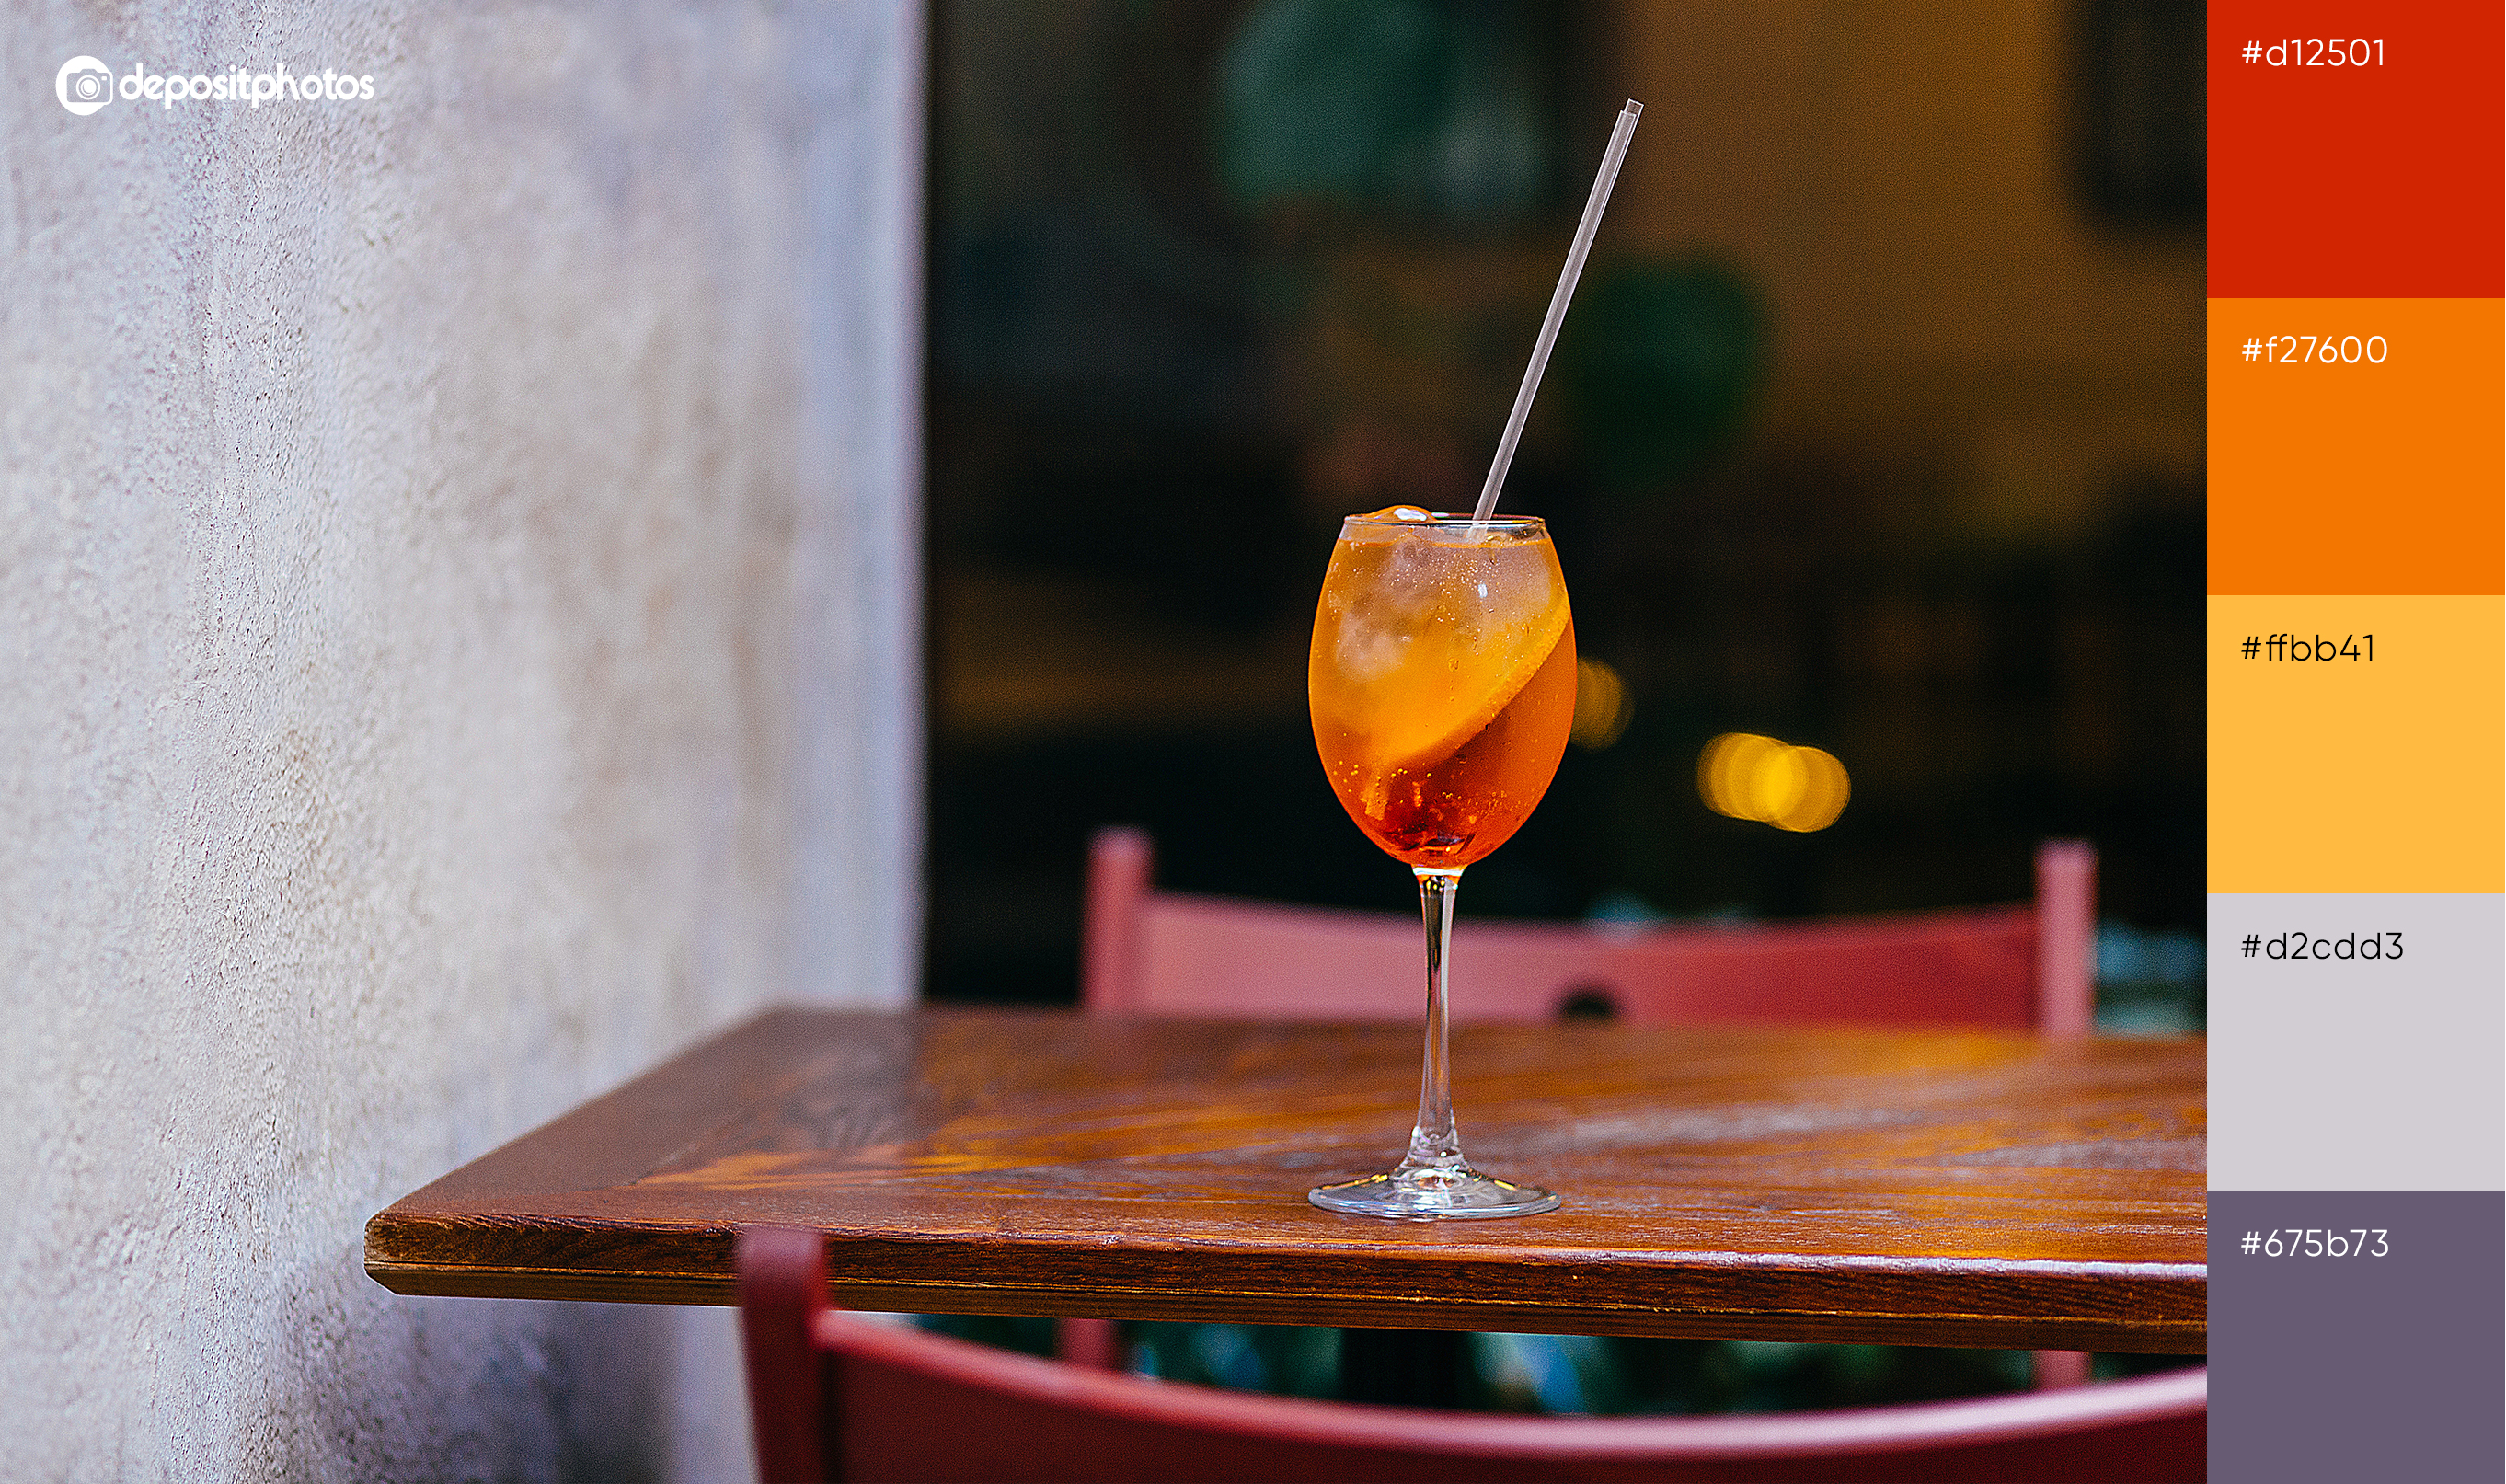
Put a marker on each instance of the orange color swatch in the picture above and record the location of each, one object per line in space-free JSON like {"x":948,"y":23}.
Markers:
{"x":2356,"y":477}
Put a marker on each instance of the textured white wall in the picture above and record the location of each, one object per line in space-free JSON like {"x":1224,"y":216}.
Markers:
{"x":457,"y":625}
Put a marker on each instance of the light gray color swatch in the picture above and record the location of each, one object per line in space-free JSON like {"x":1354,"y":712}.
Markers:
{"x":2359,"y":1074}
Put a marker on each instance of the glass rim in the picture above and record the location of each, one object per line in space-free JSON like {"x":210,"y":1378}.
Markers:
{"x":1438,"y":519}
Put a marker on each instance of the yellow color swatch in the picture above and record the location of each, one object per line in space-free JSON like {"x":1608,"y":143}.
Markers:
{"x":2358,"y":775}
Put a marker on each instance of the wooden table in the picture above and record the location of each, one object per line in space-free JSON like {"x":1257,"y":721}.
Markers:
{"x":1913,"y":1187}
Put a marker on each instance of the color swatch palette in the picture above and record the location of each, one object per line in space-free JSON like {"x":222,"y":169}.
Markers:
{"x":2357,"y":355}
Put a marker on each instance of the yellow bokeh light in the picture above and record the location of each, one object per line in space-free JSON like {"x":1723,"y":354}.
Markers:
{"x":1776,"y":785}
{"x":1602,"y":705}
{"x":1825,"y":787}
{"x":1748,"y":776}
{"x":1725,"y":768}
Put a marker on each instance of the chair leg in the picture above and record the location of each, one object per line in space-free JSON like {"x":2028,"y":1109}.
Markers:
{"x":1095,"y":1344}
{"x":2066,"y":938}
{"x":1120,"y":862}
{"x":782,"y":1288}
{"x":2059,"y":1368}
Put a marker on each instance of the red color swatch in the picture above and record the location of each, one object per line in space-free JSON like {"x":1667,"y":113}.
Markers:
{"x":2377,"y":181}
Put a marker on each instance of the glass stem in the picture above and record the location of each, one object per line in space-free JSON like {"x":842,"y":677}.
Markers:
{"x":1435,"y":1143}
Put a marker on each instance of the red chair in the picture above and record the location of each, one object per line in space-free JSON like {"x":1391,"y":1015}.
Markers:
{"x":833,"y":1397}
{"x":1149,"y":951}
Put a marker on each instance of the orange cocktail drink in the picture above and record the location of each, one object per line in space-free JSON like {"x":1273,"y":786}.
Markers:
{"x":1442,"y":679}
{"x":1443,"y":685}
{"x":1443,"y":682}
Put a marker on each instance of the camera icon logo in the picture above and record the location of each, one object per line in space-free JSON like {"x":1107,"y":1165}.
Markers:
{"x":84,"y":84}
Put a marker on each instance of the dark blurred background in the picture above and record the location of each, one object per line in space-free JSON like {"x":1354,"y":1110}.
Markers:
{"x":1877,"y":426}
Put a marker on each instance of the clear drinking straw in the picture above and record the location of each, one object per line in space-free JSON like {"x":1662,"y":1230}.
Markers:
{"x":1575,"y":255}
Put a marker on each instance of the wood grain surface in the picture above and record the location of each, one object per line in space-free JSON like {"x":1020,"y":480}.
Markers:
{"x":1915,"y":1187}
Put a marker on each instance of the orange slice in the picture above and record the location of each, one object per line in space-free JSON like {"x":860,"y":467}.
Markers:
{"x":1423,"y":637}
{"x":1427,"y":712}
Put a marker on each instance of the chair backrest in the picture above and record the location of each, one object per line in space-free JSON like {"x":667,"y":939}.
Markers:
{"x":1164,"y":953}
{"x":834,"y":1397}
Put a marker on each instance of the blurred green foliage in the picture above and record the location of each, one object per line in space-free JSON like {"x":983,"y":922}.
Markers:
{"x":1663,"y":361}
{"x":1374,"y":104}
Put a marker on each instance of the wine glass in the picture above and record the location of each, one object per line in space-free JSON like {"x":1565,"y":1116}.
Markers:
{"x":1442,"y":686}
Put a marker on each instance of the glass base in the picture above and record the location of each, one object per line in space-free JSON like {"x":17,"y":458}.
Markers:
{"x":1418,"y":1193}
